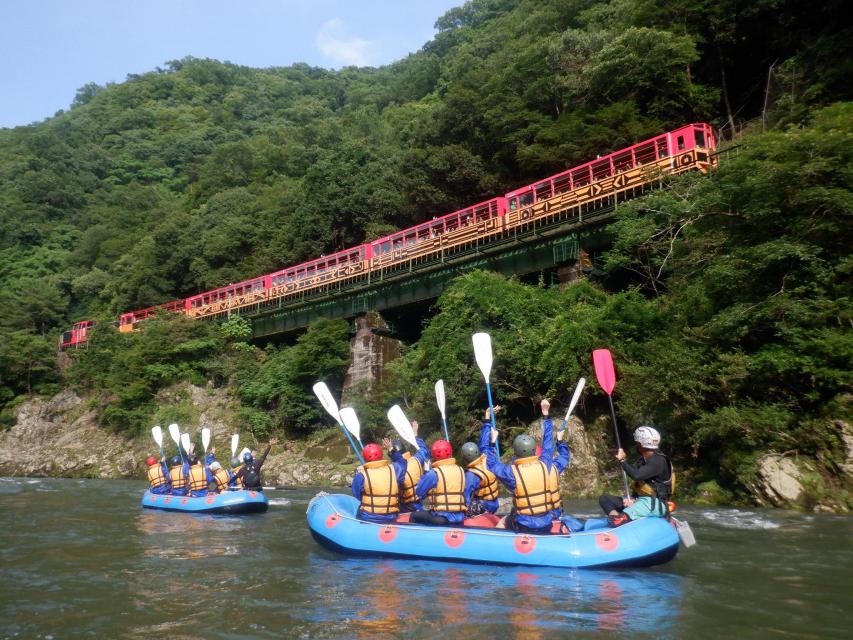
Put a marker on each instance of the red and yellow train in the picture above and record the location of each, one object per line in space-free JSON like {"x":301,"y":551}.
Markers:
{"x":687,"y":148}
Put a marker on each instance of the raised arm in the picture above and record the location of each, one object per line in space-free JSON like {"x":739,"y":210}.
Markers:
{"x":501,"y":470}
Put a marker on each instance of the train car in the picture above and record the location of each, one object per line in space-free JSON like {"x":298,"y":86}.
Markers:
{"x":692,"y":143}
{"x":129,"y":321}
{"x":656,"y":154}
{"x":428,"y":237}
{"x":76,"y":336}
{"x":342,"y":266}
{"x":212,"y":303}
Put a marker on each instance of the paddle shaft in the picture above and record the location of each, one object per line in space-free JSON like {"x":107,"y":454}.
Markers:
{"x":444,"y":422}
{"x":352,"y":443}
{"x":492,"y":416}
{"x":618,"y":443}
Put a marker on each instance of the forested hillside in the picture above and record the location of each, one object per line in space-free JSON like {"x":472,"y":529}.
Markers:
{"x":734,"y":328}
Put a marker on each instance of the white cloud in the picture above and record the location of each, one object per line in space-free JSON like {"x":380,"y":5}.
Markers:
{"x":345,"y":51}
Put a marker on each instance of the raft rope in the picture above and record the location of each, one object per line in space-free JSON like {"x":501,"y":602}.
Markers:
{"x":472,"y":530}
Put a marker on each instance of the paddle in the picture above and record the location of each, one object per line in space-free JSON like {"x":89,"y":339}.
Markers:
{"x":606,"y":376}
{"x":205,"y":440}
{"x":439,"y":398}
{"x":402,"y":425}
{"x":325,"y":397}
{"x":235,"y":440}
{"x":176,"y":436}
{"x":185,"y":442}
{"x":157,"y":433}
{"x":483,"y":355}
{"x":350,"y":421}
{"x":575,"y":398}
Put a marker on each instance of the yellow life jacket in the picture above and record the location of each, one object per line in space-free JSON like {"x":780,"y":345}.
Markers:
{"x":176,"y":475}
{"x":239,"y":481}
{"x":222,"y":479}
{"x":198,"y":478}
{"x":380,"y":495}
{"x":532,"y":493}
{"x":414,"y":471}
{"x":156,"y":477}
{"x":449,"y":493}
{"x":554,"y":497}
{"x":488,"y":481}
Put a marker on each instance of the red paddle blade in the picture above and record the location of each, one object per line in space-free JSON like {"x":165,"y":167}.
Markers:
{"x":604,"y":371}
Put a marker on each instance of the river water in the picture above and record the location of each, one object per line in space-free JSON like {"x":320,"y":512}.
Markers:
{"x":80,"y":558}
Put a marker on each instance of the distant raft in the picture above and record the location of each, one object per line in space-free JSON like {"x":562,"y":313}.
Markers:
{"x":230,"y":502}
{"x":642,"y":543}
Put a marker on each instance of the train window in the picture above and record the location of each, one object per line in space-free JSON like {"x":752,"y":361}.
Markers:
{"x":385,"y":247}
{"x":513,"y":204}
{"x":525,"y":199}
{"x":563,"y":183}
{"x":662,"y":152}
{"x":699,"y":136}
{"x":580,"y":177}
{"x":601,"y":169}
{"x":622,"y":161}
{"x":680,"y":142}
{"x":645,"y":154}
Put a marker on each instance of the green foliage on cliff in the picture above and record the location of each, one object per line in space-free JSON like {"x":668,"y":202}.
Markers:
{"x":204,"y":173}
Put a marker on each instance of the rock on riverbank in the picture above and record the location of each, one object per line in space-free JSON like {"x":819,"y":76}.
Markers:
{"x":59,"y":437}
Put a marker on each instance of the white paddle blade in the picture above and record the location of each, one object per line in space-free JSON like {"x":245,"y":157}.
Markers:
{"x":402,"y":425}
{"x":439,"y":397}
{"x":235,"y":440}
{"x":327,"y":400}
{"x":157,"y":433}
{"x":175,"y":433}
{"x":351,"y":422}
{"x":185,"y":442}
{"x":576,"y":396}
{"x":483,"y":353}
{"x":205,"y":438}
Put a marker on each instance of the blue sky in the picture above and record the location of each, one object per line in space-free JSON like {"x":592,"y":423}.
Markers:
{"x":51,"y":48}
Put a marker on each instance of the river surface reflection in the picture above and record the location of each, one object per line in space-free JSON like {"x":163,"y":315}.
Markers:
{"x":80,"y":558}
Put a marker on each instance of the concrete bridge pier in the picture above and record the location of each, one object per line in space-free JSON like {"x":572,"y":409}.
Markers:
{"x":370,"y":350}
{"x":576,"y":270}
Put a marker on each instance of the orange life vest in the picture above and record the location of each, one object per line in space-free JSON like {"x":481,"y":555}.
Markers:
{"x":176,"y":475}
{"x":414,"y":471}
{"x":532,"y":493}
{"x":156,"y":477}
{"x":222,"y":479}
{"x":198,"y":478}
{"x":380,"y":495}
{"x":488,"y":481}
{"x":449,"y":493}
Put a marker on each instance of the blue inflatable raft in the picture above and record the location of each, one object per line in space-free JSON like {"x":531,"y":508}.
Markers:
{"x":232,"y":502}
{"x":642,"y":543}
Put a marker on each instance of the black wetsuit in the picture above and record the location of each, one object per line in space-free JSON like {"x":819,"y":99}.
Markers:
{"x":251,"y":472}
{"x":655,"y":468}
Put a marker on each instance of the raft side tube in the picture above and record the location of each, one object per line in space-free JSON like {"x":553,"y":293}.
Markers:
{"x":227,"y":502}
{"x":641,"y":543}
